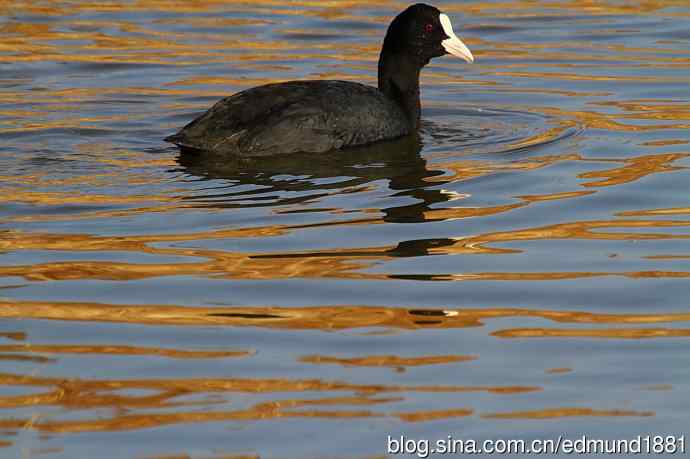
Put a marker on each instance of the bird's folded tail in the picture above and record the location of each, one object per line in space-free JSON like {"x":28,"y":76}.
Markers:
{"x":175,"y":138}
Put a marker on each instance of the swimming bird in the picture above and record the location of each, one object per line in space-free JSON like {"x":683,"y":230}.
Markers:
{"x":316,"y":116}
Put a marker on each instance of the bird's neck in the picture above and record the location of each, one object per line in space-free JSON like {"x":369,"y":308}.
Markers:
{"x":399,"y":80}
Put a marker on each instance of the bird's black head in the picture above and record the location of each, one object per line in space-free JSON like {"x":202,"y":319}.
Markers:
{"x":415,"y":36}
{"x":422,"y":32}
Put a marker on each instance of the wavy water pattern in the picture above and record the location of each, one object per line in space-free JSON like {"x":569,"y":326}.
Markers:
{"x":519,"y":270}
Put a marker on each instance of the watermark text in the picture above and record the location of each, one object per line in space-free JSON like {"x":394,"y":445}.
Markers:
{"x":642,"y":444}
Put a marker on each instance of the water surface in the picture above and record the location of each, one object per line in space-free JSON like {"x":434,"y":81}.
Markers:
{"x":521,"y":271}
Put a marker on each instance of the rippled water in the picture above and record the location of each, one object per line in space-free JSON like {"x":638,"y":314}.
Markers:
{"x":523,"y":273}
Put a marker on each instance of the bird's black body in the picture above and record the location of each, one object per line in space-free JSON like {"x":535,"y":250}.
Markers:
{"x":322,"y":115}
{"x":296,"y":116}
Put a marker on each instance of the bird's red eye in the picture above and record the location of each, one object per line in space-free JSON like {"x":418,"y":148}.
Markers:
{"x":429,"y":28}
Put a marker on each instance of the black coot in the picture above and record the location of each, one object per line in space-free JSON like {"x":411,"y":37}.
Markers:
{"x":321,"y":115}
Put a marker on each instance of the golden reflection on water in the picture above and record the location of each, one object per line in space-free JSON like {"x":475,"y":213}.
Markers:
{"x":567,"y":412}
{"x":119,"y":350}
{"x":386,"y":360}
{"x":557,"y":371}
{"x":84,"y":393}
{"x":325,"y":318}
{"x":344,"y":263}
{"x":615,"y":333}
{"x":635,"y":169}
{"x":95,"y":393}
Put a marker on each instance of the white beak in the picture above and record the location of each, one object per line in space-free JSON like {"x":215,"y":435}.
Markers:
{"x":453,"y":45}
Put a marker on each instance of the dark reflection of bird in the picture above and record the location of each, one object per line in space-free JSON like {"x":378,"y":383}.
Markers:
{"x":293,"y":179}
{"x":321,"y":115}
